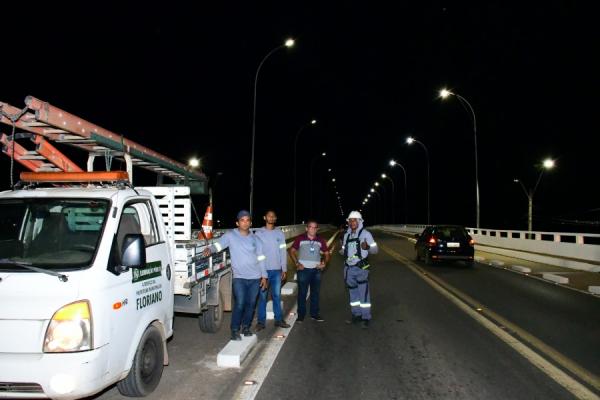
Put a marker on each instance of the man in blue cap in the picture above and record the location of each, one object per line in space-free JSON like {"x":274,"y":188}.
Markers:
{"x":249,"y":272}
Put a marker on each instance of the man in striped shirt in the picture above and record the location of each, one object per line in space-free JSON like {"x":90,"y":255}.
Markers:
{"x":249,"y":272}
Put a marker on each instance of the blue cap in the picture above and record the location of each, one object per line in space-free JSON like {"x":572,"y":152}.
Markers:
{"x":242,"y":214}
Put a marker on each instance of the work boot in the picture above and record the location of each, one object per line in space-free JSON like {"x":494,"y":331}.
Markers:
{"x":282,"y":324}
{"x":354,"y":320}
{"x":365,"y":324}
{"x":259,"y":326}
{"x":235,"y":335}
{"x":246,"y":331}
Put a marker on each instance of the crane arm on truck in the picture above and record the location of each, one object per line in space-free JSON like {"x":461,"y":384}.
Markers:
{"x":48,"y":123}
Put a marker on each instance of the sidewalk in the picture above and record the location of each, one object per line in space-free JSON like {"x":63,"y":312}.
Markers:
{"x":588,"y":282}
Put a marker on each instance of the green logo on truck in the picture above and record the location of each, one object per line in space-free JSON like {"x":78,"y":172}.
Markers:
{"x":151,"y":270}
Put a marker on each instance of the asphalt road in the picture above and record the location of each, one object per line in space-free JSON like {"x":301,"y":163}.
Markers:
{"x":420,"y":344}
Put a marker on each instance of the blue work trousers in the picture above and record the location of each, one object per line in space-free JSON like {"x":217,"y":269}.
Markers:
{"x":308,"y":277}
{"x":274,"y":276}
{"x":357,"y":281}
{"x":245,"y":292}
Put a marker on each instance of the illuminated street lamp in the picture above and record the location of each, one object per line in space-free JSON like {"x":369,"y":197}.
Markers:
{"x":288,"y":44}
{"x":313,"y":122}
{"x":547,"y":164}
{"x":445,"y":93}
{"x":410,"y":140}
{"x":194,"y":162}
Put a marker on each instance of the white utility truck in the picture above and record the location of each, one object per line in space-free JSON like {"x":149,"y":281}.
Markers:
{"x":92,"y":268}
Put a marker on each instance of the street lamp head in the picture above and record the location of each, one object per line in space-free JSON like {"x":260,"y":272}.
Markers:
{"x":323,"y":154}
{"x":194,"y":163}
{"x":314,"y":121}
{"x":410,"y":140}
{"x":289,"y":43}
{"x":383,"y":176}
{"x":548,"y":163}
{"x":376,"y":183}
{"x":332,"y":179}
{"x":516,"y":180}
{"x":369,"y":195}
{"x":372,"y":190}
{"x":444,"y":93}
{"x":392,"y":163}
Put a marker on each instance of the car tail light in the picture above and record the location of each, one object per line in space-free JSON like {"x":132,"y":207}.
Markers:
{"x":471,"y":242}
{"x":432,"y":241}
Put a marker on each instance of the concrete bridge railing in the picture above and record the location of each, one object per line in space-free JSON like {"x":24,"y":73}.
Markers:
{"x":579,"y":251}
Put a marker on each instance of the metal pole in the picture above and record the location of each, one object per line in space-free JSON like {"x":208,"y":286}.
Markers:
{"x":530,"y":213}
{"x":428,"y":181}
{"x":254,"y":128}
{"x":463,"y":102}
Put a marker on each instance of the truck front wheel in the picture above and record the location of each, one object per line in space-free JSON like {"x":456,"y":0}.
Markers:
{"x":147,"y":366}
{"x":211,"y":319}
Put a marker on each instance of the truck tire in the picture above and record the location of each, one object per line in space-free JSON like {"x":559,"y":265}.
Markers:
{"x":210,"y":320}
{"x":147,"y":366}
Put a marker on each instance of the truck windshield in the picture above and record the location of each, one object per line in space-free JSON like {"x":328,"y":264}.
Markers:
{"x":54,"y":234}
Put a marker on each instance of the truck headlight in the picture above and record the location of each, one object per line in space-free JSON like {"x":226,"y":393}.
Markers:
{"x":70,"y":329}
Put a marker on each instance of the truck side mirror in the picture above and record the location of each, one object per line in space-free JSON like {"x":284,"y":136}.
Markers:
{"x":134,"y":251}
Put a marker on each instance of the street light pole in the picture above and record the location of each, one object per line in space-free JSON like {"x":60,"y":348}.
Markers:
{"x":384,"y":176}
{"x":288,"y":43}
{"x":411,"y":140}
{"x":310,"y":177}
{"x":393,"y":163}
{"x":547,"y":164}
{"x":314,"y":121}
{"x":444,"y":93}
{"x":379,"y":199}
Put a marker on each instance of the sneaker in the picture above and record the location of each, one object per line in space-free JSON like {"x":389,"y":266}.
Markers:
{"x":235,"y":335}
{"x":246,"y":331}
{"x":300,"y":319}
{"x":317,"y":318}
{"x":354,"y":320}
{"x":365,"y":324}
{"x":282,"y":324}
{"x":259,"y":326}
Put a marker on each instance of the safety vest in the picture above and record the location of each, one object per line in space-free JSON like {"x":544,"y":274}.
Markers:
{"x":362,"y":263}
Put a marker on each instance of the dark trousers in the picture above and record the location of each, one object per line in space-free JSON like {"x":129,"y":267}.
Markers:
{"x":308,"y":277}
{"x":245,"y":292}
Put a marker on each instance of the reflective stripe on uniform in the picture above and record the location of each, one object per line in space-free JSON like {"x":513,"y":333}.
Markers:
{"x":282,"y":246}
{"x":355,"y":303}
{"x":365,"y":305}
{"x":261,"y":258}
{"x":218,"y":246}
{"x":373,"y":244}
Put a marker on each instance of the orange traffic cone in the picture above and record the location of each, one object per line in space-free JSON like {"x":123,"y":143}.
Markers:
{"x":207,"y":223}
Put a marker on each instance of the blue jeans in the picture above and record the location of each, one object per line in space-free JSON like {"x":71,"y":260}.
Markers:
{"x":244,"y":293}
{"x":275,"y":288}
{"x":308,"y":277}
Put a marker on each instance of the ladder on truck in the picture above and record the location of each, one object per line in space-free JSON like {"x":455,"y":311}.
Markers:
{"x":42,"y":123}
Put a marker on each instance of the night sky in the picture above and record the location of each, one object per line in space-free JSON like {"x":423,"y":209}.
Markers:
{"x":179,"y":78}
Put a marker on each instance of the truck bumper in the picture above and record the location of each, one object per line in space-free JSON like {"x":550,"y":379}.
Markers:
{"x":57,"y":376}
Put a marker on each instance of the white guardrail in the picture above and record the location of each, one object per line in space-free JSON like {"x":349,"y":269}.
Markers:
{"x":579,"y":251}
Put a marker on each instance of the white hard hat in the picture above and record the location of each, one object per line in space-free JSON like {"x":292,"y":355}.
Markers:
{"x":355,"y":214}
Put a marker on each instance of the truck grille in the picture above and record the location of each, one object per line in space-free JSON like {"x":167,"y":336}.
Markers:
{"x":11,"y":387}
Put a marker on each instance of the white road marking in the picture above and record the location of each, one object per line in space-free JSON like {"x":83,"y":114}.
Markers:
{"x":462,"y":301}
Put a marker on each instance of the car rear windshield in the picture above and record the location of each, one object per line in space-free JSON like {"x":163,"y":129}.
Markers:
{"x":50,"y":233}
{"x":451,"y":233}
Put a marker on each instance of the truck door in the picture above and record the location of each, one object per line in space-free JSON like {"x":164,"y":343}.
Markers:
{"x":147,"y":294}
